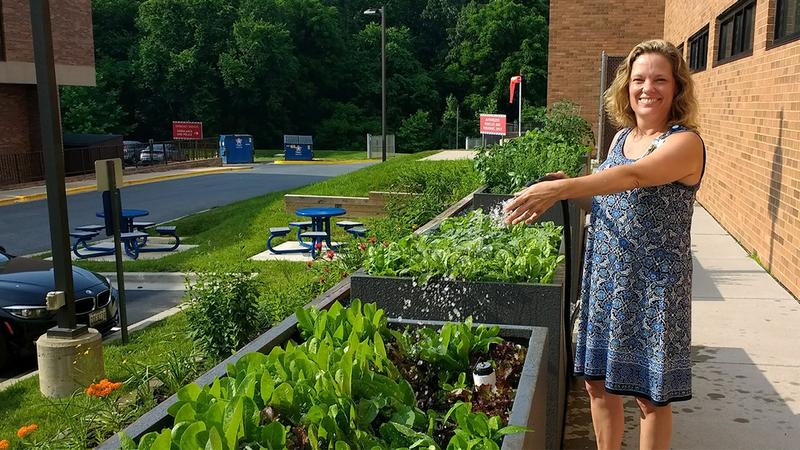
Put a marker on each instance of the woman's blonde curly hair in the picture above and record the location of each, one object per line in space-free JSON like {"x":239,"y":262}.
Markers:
{"x":684,"y":105}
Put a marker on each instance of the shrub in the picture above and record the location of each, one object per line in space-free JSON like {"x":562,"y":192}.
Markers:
{"x":563,"y":118}
{"x":223,"y":312}
{"x":507,"y":168}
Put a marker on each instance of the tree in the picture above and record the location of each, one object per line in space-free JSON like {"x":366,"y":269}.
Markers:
{"x":176,"y":63}
{"x":94,"y":109}
{"x":415,"y":133}
{"x":409,"y":87}
{"x":451,"y":120}
{"x":493,"y":42}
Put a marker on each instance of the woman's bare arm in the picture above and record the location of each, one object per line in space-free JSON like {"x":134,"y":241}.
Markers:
{"x":679,"y":158}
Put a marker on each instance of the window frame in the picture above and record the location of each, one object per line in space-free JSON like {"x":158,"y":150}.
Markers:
{"x":733,"y":19}
{"x":780,"y":40}
{"x":2,"y":35}
{"x":703,"y":32}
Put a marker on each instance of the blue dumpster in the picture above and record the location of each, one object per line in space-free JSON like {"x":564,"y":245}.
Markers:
{"x":298,"y":148}
{"x":236,"y":148}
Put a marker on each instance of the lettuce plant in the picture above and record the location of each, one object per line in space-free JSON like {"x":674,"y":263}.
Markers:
{"x":336,"y":390}
{"x":475,"y":247}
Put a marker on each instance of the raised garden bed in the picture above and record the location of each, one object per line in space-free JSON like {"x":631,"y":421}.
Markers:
{"x":528,"y":402}
{"x":504,"y":303}
{"x":514,"y":304}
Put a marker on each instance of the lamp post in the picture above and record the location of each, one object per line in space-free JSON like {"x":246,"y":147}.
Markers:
{"x":382,"y":12}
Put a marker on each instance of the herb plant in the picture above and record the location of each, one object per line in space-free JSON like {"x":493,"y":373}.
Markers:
{"x":338,"y":389}
{"x":475,"y":247}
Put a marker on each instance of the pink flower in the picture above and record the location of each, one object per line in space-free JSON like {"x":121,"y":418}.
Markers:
{"x":330,"y":254}
{"x":318,"y":246}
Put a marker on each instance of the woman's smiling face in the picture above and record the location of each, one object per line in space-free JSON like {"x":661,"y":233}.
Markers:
{"x":652,"y":87}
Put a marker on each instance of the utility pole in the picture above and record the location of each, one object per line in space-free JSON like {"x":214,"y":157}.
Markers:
{"x":382,"y":12}
{"x":456,"y":127}
{"x":519,"y":131}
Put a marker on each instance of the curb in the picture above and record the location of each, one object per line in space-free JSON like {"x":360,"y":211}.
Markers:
{"x":344,"y":161}
{"x":92,"y":187}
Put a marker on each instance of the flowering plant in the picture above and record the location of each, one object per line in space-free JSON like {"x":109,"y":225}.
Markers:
{"x":102,"y":389}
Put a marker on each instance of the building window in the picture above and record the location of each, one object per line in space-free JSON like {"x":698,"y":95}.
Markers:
{"x":698,"y":50}
{"x":787,"y":19}
{"x":735,"y":31}
{"x":680,"y":50}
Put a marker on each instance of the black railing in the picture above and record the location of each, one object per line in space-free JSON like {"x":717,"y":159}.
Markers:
{"x":20,"y":168}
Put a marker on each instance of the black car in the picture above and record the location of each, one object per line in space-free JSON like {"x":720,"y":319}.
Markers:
{"x":24,"y":284}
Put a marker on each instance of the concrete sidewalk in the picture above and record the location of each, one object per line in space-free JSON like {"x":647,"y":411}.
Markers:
{"x":31,"y":193}
{"x":746,"y":353}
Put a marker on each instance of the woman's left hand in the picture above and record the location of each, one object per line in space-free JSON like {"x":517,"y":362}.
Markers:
{"x":531,"y":202}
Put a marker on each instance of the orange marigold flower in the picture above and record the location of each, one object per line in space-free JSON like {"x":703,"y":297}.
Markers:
{"x":4,"y":444}
{"x":26,"y":430}
{"x":102,"y":389}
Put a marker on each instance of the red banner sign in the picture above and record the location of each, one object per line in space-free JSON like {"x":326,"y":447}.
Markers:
{"x":187,"y":130}
{"x":493,"y":124}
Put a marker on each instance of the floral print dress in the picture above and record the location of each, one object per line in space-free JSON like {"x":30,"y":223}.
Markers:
{"x":634,"y":327}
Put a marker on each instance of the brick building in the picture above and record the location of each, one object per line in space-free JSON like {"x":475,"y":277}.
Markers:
{"x":746,"y":61}
{"x":74,"y":57}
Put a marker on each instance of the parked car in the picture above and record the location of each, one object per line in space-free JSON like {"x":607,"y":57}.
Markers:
{"x":24,"y":284}
{"x":156,"y":155}
{"x":130,"y":152}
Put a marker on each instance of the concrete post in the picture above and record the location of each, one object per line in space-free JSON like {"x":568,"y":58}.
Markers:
{"x":66,"y":365}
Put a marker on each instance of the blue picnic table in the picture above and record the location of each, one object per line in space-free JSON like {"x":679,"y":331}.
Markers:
{"x":321,"y":220}
{"x":128,"y":216}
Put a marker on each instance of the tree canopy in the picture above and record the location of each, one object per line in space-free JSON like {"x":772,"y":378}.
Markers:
{"x":274,"y":67}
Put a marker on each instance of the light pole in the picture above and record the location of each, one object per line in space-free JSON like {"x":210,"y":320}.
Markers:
{"x":382,"y":12}
{"x":456,"y":127}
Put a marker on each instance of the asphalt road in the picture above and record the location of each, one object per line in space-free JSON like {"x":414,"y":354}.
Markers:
{"x":24,"y":227}
{"x":141,"y":304}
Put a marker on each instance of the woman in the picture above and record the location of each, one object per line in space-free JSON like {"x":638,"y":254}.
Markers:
{"x":634,"y":326}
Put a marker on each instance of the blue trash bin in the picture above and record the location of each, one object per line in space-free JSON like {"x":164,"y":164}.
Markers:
{"x":298,"y":148}
{"x":236,"y":148}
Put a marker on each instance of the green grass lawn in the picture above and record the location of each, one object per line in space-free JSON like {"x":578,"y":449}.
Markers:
{"x":232,"y":233}
{"x":267,"y":155}
{"x":22,"y":403}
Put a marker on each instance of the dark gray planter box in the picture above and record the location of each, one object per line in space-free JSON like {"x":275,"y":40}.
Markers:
{"x":530,"y":402}
{"x":518,"y":304}
{"x":577,"y":217}
{"x":529,"y":408}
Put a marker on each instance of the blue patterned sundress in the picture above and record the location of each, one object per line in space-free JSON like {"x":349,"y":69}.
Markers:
{"x":634,"y":327}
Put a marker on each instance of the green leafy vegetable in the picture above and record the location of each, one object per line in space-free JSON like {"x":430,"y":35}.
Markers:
{"x":475,"y":247}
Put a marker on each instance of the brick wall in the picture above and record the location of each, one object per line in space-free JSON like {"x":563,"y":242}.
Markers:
{"x":750,"y":119}
{"x":580,"y":31}
{"x":19,"y":134}
{"x":71,"y":21}
{"x":15,"y":118}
